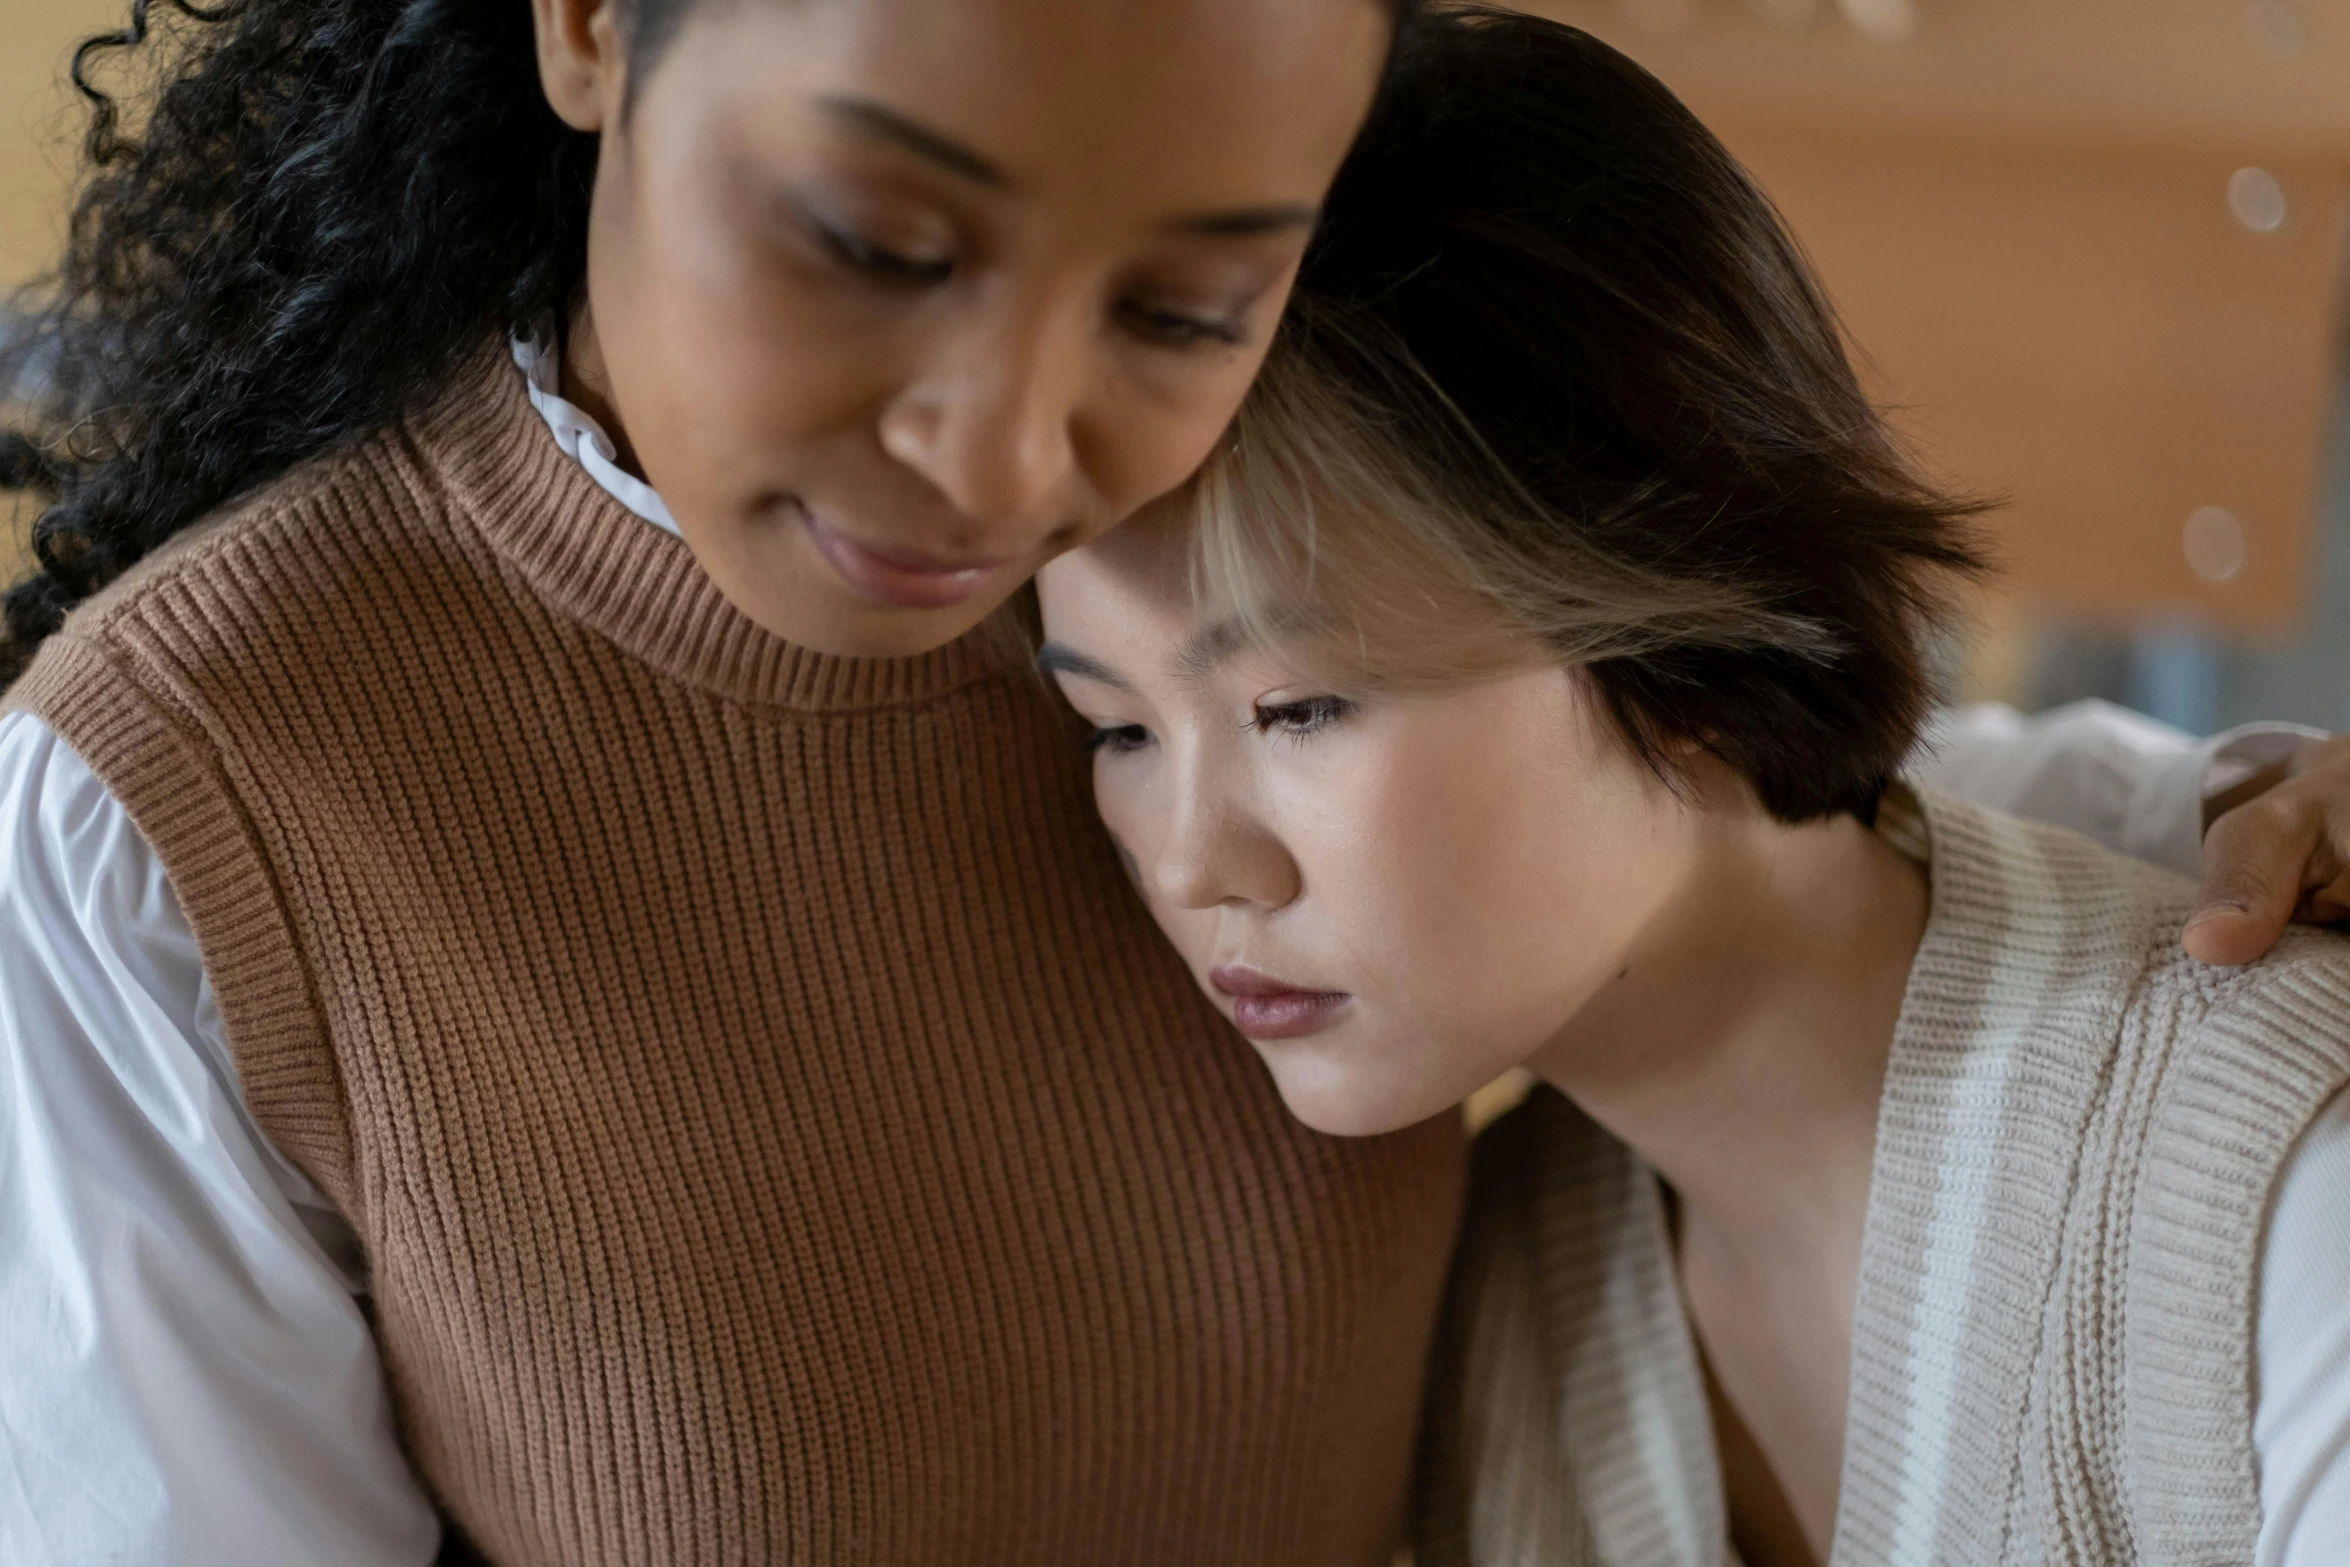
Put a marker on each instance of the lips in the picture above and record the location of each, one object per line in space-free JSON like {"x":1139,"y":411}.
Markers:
{"x":1265,"y":1007}
{"x":902,"y":578}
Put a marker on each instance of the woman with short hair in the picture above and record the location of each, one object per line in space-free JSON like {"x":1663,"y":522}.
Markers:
{"x":1527,"y":686}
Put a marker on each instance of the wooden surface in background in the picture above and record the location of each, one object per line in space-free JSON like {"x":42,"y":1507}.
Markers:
{"x":2022,"y":214}
{"x":2088,"y":330}
{"x":39,"y":119}
{"x":2171,"y":71}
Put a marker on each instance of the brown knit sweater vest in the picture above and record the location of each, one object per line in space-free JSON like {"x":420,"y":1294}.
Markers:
{"x":775,"y":1131}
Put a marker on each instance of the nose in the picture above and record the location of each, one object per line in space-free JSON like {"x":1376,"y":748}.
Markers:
{"x":989,"y":421}
{"x":1218,"y":852}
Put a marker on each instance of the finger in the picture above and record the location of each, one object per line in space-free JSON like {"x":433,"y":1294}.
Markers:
{"x":2232,"y":936}
{"x":2327,"y":905}
{"x":2255,"y":860}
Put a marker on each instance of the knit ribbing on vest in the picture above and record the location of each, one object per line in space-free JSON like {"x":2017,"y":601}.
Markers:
{"x":2053,"y":1335}
{"x":775,"y":1131}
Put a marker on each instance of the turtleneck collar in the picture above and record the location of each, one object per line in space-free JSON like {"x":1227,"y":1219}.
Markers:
{"x":584,"y":548}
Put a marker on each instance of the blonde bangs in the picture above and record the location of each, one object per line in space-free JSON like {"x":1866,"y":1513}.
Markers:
{"x":1311,"y":519}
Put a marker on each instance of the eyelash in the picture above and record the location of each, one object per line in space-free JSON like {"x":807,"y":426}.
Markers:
{"x":1168,"y":328}
{"x":1177,"y":330}
{"x":882,"y":265}
{"x":1301,"y":720}
{"x":1118,"y":740}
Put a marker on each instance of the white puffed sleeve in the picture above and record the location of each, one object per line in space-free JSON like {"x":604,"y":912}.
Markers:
{"x":185,"y":1374}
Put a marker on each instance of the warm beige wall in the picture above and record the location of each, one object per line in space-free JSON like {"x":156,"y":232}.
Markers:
{"x":37,"y":125}
{"x":2023,"y":213}
{"x":2172,"y":71}
{"x":37,"y":122}
{"x":2084,"y":328}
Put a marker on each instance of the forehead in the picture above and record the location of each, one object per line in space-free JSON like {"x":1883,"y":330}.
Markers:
{"x":1189,"y":97}
{"x":1132,"y":599}
{"x":1129,"y":591}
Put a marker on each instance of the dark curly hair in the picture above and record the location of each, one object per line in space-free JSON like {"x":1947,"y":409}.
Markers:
{"x":329,"y":202}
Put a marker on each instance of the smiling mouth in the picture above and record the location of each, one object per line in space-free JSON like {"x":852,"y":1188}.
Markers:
{"x":901,"y":578}
{"x":1264,"y":1007}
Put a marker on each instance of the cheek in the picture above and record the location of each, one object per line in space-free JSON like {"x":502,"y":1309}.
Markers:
{"x":1157,"y":420}
{"x":734,"y":359}
{"x":1119,"y":797}
{"x":1485,"y":882}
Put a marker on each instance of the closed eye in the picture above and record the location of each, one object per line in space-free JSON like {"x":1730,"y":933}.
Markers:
{"x":1177,"y":329}
{"x":878,"y":262}
{"x":1117,"y":739}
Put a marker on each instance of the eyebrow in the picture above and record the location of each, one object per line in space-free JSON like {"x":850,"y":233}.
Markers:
{"x":1205,"y":649}
{"x":879,"y":120}
{"x":1248,"y":222}
{"x":1056,"y":658}
{"x":887,"y":124}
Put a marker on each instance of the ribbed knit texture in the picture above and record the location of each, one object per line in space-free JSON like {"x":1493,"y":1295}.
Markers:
{"x":776,"y":1132}
{"x":2053,"y":1341}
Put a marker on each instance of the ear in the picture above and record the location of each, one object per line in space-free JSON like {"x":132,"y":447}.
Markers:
{"x":583,"y":60}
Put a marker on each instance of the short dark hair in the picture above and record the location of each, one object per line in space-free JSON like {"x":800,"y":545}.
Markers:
{"x":1551,"y":300}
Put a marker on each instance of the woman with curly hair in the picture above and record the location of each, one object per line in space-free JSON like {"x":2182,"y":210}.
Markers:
{"x":558,"y":997}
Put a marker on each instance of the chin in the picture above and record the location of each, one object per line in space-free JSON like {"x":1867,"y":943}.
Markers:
{"x":1350,"y":1103}
{"x":784,"y":587}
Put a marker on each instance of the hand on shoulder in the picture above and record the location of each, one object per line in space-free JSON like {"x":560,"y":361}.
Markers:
{"x":2277,"y":850}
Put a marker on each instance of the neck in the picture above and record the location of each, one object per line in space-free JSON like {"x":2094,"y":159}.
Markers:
{"x":1741,"y":1052}
{"x":587,"y":385}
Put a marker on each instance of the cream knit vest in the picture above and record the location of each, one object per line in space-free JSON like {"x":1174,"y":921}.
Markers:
{"x":2052,"y":1358}
{"x":776,"y":1132}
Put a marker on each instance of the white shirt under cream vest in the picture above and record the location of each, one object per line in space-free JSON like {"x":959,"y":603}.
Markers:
{"x":186,"y":1373}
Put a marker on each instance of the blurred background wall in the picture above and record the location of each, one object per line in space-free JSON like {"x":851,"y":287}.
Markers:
{"x":36,"y":125}
{"x":2094,"y":255}
{"x":2092,"y":252}
{"x":36,"y":39}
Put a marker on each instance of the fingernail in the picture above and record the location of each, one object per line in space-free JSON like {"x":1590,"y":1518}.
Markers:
{"x":2213,"y":911}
